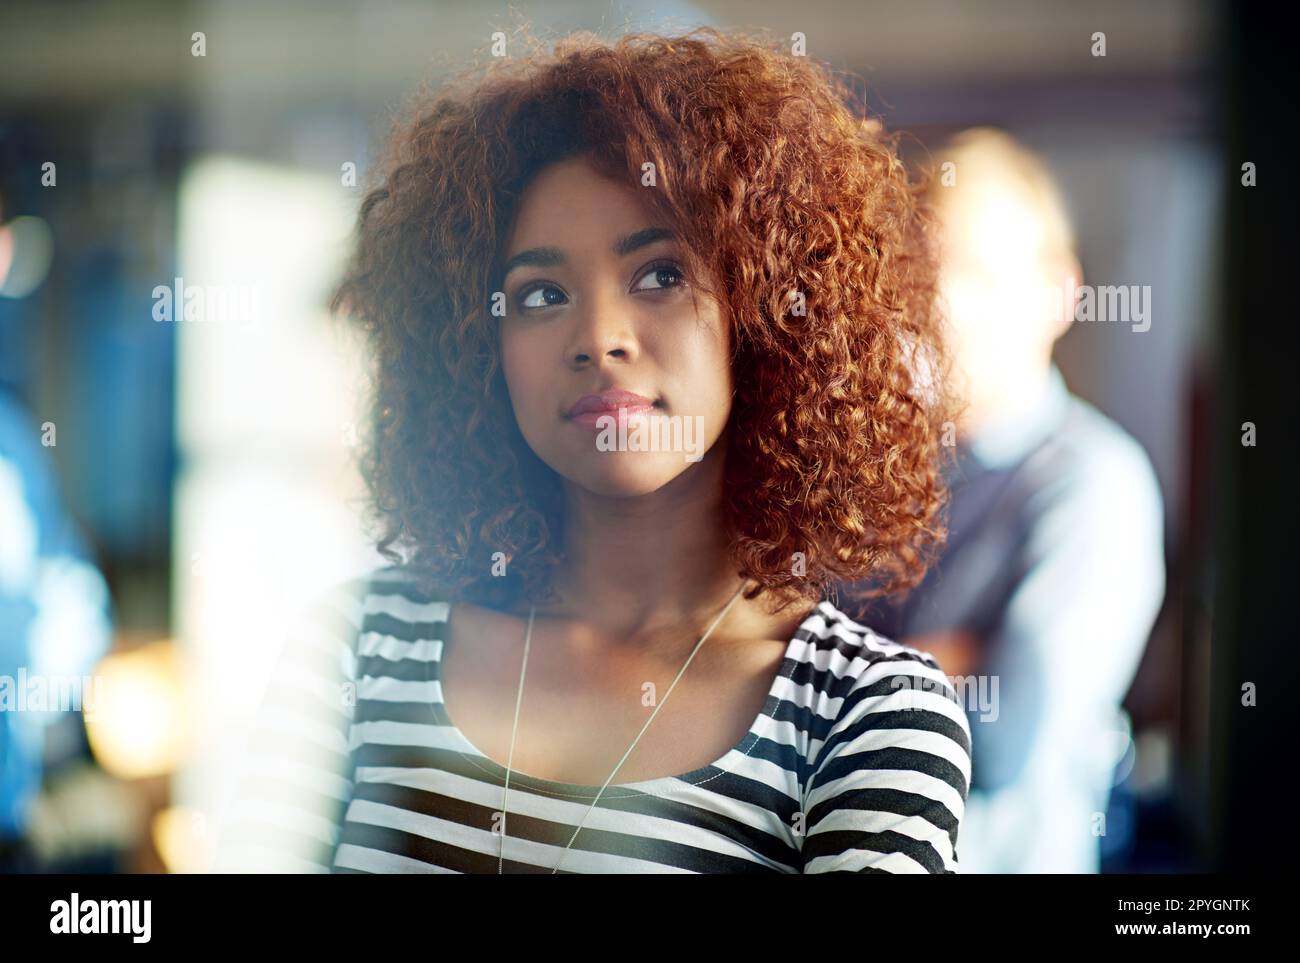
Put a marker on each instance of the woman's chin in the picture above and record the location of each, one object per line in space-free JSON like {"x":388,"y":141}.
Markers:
{"x":628,"y":474}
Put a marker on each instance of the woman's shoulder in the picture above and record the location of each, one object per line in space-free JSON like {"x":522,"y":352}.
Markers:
{"x":402,"y":581}
{"x":872,"y":675}
{"x":848,"y":647}
{"x":378,"y":599}
{"x":396,"y":593}
{"x":876,"y":692}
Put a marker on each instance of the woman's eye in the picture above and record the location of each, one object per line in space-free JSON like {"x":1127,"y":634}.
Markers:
{"x":660,"y":276}
{"x":542,"y":296}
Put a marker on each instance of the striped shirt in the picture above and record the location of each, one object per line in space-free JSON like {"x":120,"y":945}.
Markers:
{"x":858,"y":762}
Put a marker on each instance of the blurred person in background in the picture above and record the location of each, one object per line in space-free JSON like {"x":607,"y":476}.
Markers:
{"x":54,"y":608}
{"x":1053,"y":572}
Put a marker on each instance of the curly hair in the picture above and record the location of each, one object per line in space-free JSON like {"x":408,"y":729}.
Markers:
{"x":794,"y":211}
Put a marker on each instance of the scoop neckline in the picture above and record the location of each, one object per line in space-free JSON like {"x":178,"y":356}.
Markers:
{"x":554,"y":788}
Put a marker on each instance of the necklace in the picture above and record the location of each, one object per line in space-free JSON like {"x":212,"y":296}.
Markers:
{"x":528,"y":635}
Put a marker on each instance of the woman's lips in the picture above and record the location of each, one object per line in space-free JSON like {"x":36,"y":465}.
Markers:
{"x":601,"y":418}
{"x":589,"y":410}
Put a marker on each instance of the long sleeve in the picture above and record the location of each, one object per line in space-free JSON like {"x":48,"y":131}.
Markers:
{"x":1070,"y":638}
{"x":296,"y":778}
{"x":890,"y":781}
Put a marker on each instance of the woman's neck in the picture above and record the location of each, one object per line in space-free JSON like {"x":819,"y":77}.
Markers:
{"x":647,"y":570}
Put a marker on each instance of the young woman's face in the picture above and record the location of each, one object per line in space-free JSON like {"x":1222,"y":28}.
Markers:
{"x":596,"y":299}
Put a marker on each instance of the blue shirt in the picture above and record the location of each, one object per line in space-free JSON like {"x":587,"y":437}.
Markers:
{"x":1055,"y":562}
{"x":54,"y":607}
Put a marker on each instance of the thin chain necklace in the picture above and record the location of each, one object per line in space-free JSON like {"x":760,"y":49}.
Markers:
{"x":528,"y":635}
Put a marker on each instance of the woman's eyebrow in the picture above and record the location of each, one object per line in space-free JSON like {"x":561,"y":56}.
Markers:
{"x":552,"y":256}
{"x":642,"y":238}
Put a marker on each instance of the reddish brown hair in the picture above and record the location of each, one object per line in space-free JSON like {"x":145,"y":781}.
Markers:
{"x":775,"y":186}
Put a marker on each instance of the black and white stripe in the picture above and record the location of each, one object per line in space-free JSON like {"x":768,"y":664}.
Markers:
{"x":859,"y":762}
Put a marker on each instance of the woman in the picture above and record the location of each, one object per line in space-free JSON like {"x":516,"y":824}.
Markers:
{"x":654,"y":340}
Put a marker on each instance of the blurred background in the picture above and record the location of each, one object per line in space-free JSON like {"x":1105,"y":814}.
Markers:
{"x":178,"y":183}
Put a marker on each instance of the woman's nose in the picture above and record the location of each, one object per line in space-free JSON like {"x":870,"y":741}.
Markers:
{"x":603,"y":331}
